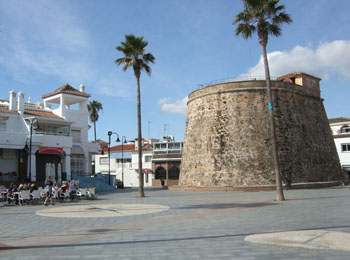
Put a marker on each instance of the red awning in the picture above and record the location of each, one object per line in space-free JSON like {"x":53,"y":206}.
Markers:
{"x":51,"y":150}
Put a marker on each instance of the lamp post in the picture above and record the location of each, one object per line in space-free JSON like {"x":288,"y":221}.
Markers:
{"x":123,"y":142}
{"x":109,"y":153}
{"x":31,"y":121}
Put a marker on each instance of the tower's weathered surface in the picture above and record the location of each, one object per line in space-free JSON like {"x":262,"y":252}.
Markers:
{"x":227,"y":134}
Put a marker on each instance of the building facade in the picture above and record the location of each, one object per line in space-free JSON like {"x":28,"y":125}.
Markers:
{"x":341,"y":133}
{"x":123,"y":163}
{"x":166,"y":162}
{"x":45,"y":138}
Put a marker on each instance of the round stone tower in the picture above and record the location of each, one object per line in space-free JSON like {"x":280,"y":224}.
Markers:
{"x":227,"y":139}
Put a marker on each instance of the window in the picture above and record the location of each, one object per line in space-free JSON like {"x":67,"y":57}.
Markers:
{"x":160,"y":173}
{"x":174,"y":173}
{"x":7,"y":153}
{"x":103,"y":160}
{"x":53,"y":130}
{"x":77,"y":164}
{"x":76,"y":136}
{"x":345,"y":147}
{"x":346,"y":169}
{"x":3,"y":121}
{"x":126,"y":160}
{"x":148,"y":158}
{"x":345,"y":129}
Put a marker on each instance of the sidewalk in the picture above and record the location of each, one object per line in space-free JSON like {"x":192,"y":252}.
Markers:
{"x":169,"y":224}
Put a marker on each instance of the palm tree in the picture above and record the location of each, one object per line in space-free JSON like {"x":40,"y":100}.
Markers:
{"x":133,"y":49}
{"x":94,"y":107}
{"x":265,"y":17}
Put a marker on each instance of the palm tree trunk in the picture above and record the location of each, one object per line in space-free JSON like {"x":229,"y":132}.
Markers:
{"x":279,"y":190}
{"x":95,"y":130}
{"x":139,"y":138}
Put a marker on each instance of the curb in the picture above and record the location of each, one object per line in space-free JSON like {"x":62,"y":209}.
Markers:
{"x":310,"y":185}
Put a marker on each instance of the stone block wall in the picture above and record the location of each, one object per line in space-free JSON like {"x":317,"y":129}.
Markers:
{"x":227,"y":138}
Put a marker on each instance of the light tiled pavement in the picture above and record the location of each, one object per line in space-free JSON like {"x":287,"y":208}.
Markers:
{"x":197,"y":225}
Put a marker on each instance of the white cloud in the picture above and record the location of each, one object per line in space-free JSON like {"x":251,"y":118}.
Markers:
{"x":111,"y":88}
{"x":333,"y":56}
{"x":44,"y":39}
{"x":179,"y":107}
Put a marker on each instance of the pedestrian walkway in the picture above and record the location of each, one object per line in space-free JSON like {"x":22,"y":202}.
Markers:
{"x":309,"y":239}
{"x":169,"y":224}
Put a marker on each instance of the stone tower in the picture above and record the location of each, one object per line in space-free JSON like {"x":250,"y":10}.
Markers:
{"x":227,"y":139}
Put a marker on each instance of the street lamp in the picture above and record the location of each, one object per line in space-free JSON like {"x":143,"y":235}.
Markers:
{"x":109,"y":153}
{"x":31,"y":121}
{"x":123,"y":142}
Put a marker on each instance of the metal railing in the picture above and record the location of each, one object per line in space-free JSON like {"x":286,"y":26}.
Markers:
{"x":239,"y":78}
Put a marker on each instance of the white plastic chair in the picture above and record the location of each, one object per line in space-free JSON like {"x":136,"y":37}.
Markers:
{"x":23,"y":196}
{"x":91,"y":193}
{"x":36,"y":195}
{"x":81,"y":192}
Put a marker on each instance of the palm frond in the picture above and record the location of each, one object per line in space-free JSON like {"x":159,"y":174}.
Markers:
{"x":133,"y":49}
{"x":245,"y":29}
{"x":282,"y":18}
{"x":263,"y":16}
{"x":274,"y":29}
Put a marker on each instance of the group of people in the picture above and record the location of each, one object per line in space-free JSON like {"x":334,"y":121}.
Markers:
{"x":54,"y":190}
{"x":13,"y":190}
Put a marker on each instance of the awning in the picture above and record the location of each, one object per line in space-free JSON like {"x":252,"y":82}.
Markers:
{"x":166,"y":160}
{"x":51,"y":150}
{"x":76,"y":149}
{"x":118,"y":155}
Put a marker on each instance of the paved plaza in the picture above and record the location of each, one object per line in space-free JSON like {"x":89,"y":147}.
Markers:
{"x":169,"y":224}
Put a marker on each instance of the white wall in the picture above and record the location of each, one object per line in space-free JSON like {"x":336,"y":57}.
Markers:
{"x":344,"y":157}
{"x":131,"y":177}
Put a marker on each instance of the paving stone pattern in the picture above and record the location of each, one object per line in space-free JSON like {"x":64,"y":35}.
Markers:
{"x":197,"y":225}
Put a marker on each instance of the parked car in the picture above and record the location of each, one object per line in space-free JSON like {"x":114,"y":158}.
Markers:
{"x":119,"y":184}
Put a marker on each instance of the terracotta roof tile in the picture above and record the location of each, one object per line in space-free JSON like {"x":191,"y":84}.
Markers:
{"x":5,"y":109}
{"x":42,"y":114}
{"x":67,"y":89}
{"x":126,"y":147}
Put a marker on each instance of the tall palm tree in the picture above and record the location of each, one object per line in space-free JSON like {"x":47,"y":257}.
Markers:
{"x":94,"y":107}
{"x":265,"y":17}
{"x":133,"y":49}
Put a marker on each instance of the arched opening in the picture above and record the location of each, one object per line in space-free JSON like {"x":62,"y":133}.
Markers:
{"x":174,"y":173}
{"x":345,"y":129}
{"x":160,"y":173}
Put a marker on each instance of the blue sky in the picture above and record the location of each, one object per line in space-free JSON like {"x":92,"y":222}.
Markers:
{"x":45,"y":44}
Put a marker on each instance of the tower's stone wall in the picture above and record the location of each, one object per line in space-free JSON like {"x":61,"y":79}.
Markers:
{"x":227,"y":139}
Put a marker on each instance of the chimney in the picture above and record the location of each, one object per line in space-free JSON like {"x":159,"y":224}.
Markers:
{"x":137,"y":144}
{"x":82,"y":88}
{"x":29,"y":100}
{"x":20,"y":102}
{"x":12,"y":105}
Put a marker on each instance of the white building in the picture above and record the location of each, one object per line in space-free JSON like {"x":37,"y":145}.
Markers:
{"x":51,"y":133}
{"x":123,"y":163}
{"x":341,"y":133}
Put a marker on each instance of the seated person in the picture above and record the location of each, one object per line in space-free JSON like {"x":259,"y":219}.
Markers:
{"x":33,"y":187}
{"x":12,"y":193}
{"x":73,"y":189}
{"x":62,"y":191}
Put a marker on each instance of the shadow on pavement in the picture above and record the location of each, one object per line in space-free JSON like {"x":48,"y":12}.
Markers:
{"x":4,"y":247}
{"x":227,"y":205}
